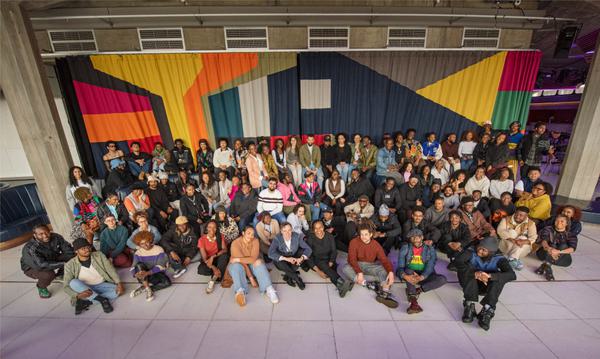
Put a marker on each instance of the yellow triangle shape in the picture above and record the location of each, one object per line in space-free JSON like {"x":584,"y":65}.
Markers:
{"x":471,"y":92}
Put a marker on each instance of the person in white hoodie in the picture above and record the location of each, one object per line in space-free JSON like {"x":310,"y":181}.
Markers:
{"x":224,"y":159}
{"x":480,"y":182}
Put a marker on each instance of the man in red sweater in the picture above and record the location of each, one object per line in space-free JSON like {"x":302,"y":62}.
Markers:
{"x":369,"y":266}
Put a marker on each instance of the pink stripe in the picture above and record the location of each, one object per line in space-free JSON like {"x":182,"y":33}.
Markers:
{"x":98,"y":100}
{"x":520,"y":70}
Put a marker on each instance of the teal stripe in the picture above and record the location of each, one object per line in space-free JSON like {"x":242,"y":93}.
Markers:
{"x":226,"y":115}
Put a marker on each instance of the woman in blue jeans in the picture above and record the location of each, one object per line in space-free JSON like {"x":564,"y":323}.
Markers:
{"x":343,"y":157}
{"x":246,"y":261}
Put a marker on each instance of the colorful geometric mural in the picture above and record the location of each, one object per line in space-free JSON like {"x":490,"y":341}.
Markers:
{"x":161,"y":97}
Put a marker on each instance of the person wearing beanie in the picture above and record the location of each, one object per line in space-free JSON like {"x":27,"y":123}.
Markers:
{"x":90,"y":277}
{"x":478,"y":225}
{"x":517,"y":234}
{"x":119,"y":179}
{"x":387,"y":229}
{"x":416,"y":266}
{"x":482,"y":272}
{"x":170,"y":188}
{"x":181,"y":244}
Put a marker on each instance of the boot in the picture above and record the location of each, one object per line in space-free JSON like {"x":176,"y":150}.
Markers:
{"x":344,"y":286}
{"x":549,"y":274}
{"x":541,"y":269}
{"x":289,"y":281}
{"x":300,"y":283}
{"x":106,"y":306}
{"x":82,"y":305}
{"x":386,"y":299}
{"x":469,"y":312}
{"x":414,"y":306}
{"x":374,"y":286}
{"x":485,"y":317}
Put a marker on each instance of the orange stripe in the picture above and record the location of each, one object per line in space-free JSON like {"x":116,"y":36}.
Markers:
{"x":120,"y":126}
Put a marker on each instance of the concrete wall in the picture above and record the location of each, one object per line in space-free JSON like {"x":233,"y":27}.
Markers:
{"x":204,"y":38}
{"x":444,"y":37}
{"x":515,"y":38}
{"x":368,"y":37}
{"x":117,"y":39}
{"x":282,"y":38}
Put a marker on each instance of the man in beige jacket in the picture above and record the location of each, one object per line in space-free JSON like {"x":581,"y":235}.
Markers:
{"x":517,"y":234}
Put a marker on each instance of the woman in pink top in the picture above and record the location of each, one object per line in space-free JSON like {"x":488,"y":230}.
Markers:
{"x":235,"y":186}
{"x":288,"y":192}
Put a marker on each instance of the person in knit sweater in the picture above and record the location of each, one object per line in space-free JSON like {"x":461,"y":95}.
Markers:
{"x":149,"y":265}
{"x":113,"y":243}
{"x":369,"y":266}
{"x":271,"y":200}
{"x":517,"y":234}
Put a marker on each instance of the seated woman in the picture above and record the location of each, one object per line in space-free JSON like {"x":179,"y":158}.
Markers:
{"x":343,"y":157}
{"x":458,"y":182}
{"x":573,"y":214}
{"x":538,"y":201}
{"x":213,"y":250}
{"x":500,"y":208}
{"x":269,"y":162}
{"x":292,"y":154}
{"x":150,"y":263}
{"x":267,"y":229}
{"x":298,"y":220}
{"x":246,"y":251}
{"x":280,"y":157}
{"x":502,"y":184}
{"x":335,"y":189}
{"x":224,"y":185}
{"x":210,"y":190}
{"x":226,"y":225}
{"x":288,"y":192}
{"x":113,"y":243}
{"x":557,"y":244}
{"x":78,"y":179}
{"x":159,"y":158}
{"x":141,"y":219}
{"x":257,"y":175}
{"x":204,"y":157}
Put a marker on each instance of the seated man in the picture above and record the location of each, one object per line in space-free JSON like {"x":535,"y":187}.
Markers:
{"x":437,"y":214}
{"x":119,"y":179}
{"x":387,"y":229}
{"x":181,"y":243}
{"x":113,"y":243}
{"x":481,"y":204}
{"x":411,"y":196}
{"x":213,"y":250}
{"x":195,"y":208}
{"x":170,"y":188}
{"x":517,"y":234}
{"x":416,"y":266}
{"x":369,"y":266}
{"x":287,"y":252}
{"x":430,"y":232}
{"x":323,"y":258}
{"x":266,"y":229}
{"x":455,"y":237}
{"x":386,"y":162}
{"x":357,"y":185}
{"x":357,"y":212}
{"x":141,"y":219}
{"x":538,"y":201}
{"x":159,"y":201}
{"x":526,"y":183}
{"x":478,"y":225}
{"x":245,"y":251}
{"x":150,"y":263}
{"x":482,"y":272}
{"x":557,"y":244}
{"x":335,"y":225}
{"x":243,"y":206}
{"x":270,"y":199}
{"x":90,"y":276}
{"x":44,"y":257}
{"x":139,"y":162}
{"x":389,"y":195}
{"x":112,"y":206}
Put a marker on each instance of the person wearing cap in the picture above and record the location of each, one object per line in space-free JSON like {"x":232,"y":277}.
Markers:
{"x":327,"y":156}
{"x":226,"y":225}
{"x":478,"y":225}
{"x":44,"y":256}
{"x":214,"y":255}
{"x":482,"y":272}
{"x":557,"y":244}
{"x":417,"y":221}
{"x":140,"y":163}
{"x":113,"y":243}
{"x":389,"y":195}
{"x":485,"y":129}
{"x":517,"y":234}
{"x":195,"y":208}
{"x":180,"y":242}
{"x":119,"y":179}
{"x":416,"y":267}
{"x":90,"y":277}
{"x":357,"y":185}
{"x":387,"y":229}
{"x":243,"y":206}
{"x":170,"y":188}
{"x":150,"y":263}
{"x":386,"y":163}
{"x":287,"y":251}
{"x":310,"y":159}
{"x":164,"y":213}
{"x":138,"y":200}
{"x":455,"y":237}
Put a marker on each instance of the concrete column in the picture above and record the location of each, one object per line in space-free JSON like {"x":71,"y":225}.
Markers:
{"x":581,"y":168}
{"x":25,"y":85}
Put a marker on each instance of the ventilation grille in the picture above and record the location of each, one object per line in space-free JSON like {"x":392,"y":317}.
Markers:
{"x":487,"y":38}
{"x":246,"y":38}
{"x":73,"y":40}
{"x":328,"y":37}
{"x":161,"y":39}
{"x":406,"y":37}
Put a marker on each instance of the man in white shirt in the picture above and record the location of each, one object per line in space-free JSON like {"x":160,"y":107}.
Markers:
{"x":270,"y":200}
{"x":223,"y":159}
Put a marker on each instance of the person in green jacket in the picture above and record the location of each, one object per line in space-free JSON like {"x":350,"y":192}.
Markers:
{"x":113,"y":243}
{"x":90,"y":277}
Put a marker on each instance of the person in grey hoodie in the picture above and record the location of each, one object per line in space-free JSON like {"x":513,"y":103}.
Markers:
{"x":437,"y":214}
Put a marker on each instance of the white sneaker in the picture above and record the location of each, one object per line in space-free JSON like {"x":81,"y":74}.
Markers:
{"x":137,"y":291}
{"x":149,"y":295}
{"x":179,"y":273}
{"x":272,"y":294}
{"x":211,"y":286}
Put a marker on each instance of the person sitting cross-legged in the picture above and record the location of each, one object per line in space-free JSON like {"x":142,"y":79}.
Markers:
{"x":113,"y":243}
{"x":288,"y":251}
{"x":245,"y":251}
{"x":180,"y":242}
{"x":557,"y":244}
{"x":149,"y":265}
{"x":44,"y":257}
{"x":90,"y":277}
{"x":323,"y":258}
{"x":387,"y":229}
{"x":483,"y":272}
{"x":213,"y":249}
{"x":369,"y":266}
{"x":517,"y":234}
{"x":455,"y":237}
{"x":416,"y":266}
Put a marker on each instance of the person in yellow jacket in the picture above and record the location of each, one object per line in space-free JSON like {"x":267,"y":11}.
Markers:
{"x":538,"y":201}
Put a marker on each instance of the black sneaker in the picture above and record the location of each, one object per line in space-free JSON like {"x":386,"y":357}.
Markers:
{"x":541,"y":269}
{"x":344,"y":286}
{"x":374,"y":286}
{"x":451,"y":267}
{"x":549,"y":274}
{"x":300,"y":283}
{"x":468,"y":312}
{"x":484,"y":318}
{"x":289,"y":281}
{"x":386,"y":299}
{"x":106,"y":306}
{"x":82,"y":305}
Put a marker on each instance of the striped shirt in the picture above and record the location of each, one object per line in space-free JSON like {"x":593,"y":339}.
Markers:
{"x":271,"y":201}
{"x":155,"y":259}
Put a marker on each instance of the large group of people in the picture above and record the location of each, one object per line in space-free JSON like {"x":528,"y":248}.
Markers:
{"x":244,"y":211}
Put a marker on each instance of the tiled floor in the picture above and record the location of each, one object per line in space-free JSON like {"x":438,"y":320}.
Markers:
{"x":534,"y":319}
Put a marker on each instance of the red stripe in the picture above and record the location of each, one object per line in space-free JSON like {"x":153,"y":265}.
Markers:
{"x":146,"y":143}
{"x":520,"y":70}
{"x":99,"y":100}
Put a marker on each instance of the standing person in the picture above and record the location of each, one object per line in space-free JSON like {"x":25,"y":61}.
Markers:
{"x":267,"y":229}
{"x":150,"y":263}
{"x":77,"y":179}
{"x":309,"y":193}
{"x":223,"y":158}
{"x":356,"y":152}
{"x":159,"y":158}
{"x":113,"y":243}
{"x":386,"y":162}
{"x":210,"y":190}
{"x":538,"y":201}
{"x":497,"y":155}
{"x":195,"y":208}
{"x":256,"y":168}
{"x":466,"y":147}
{"x":323,"y":258}
{"x":292,"y":154}
{"x":288,"y":251}
{"x":335,"y":189}
{"x":204,"y":157}
{"x":482,"y":271}
{"x":182,"y":156}
{"x":113,"y":152}
{"x":450,"y":152}
{"x":310,"y":159}
{"x":481,"y":150}
{"x":180,"y":243}
{"x":269,"y":161}
{"x":368,"y":160}
{"x":44,"y":256}
{"x":556,"y":246}
{"x":271,"y":200}
{"x":140,"y":163}
{"x":369,"y":266}
{"x":213,"y":252}
{"x":416,"y":267}
{"x":119,"y":179}
{"x":90,"y":276}
{"x":243,"y":206}
{"x":517,"y":234}
{"x":280,"y":157}
{"x":514,"y":139}
{"x":502,"y":184}
{"x":532,"y":147}
{"x":245,"y":252}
